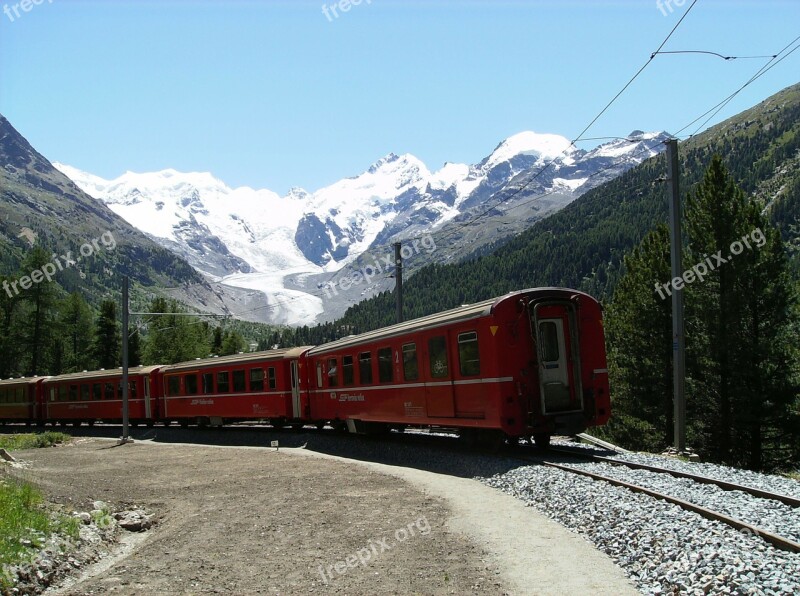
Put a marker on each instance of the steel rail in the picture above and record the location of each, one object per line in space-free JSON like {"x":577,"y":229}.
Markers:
{"x":774,"y":539}
{"x":723,"y":484}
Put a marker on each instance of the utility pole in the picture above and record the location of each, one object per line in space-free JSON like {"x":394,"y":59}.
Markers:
{"x":125,"y":311}
{"x":398,"y":279}
{"x":678,"y":335}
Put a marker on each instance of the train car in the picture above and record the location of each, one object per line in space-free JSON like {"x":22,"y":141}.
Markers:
{"x":255,"y":386}
{"x":530,"y":363}
{"x":96,"y":396}
{"x":19,"y":400}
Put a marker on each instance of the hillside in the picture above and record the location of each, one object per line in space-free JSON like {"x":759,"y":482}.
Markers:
{"x":582,"y":245}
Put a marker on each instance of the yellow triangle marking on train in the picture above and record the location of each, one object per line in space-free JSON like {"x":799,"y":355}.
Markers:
{"x":493,"y":329}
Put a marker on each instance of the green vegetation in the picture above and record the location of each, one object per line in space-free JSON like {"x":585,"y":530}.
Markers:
{"x":741,"y":323}
{"x":18,"y":442}
{"x":25,"y":524}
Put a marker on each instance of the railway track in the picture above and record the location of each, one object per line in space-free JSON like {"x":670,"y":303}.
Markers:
{"x":777,"y":541}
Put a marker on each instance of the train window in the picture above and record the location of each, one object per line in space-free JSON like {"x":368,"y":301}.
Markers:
{"x":63,"y":392}
{"x":272,"y":382}
{"x":223,"y":385}
{"x":256,"y":379}
{"x":333,"y":373}
{"x":97,"y":391}
{"x":208,"y":383}
{"x":133,"y":387}
{"x":3,"y":395}
{"x":84,"y":391}
{"x":365,"y":367}
{"x":468,"y":358}
{"x":348,"y":372}
{"x":73,"y":393}
{"x":437,"y":354}
{"x":549,"y":334}
{"x":410,"y":366}
{"x":385,"y":368}
{"x":238,"y":381}
{"x":190,"y":383}
{"x":319,"y":374}
{"x":110,"y":391}
{"x":173,"y":385}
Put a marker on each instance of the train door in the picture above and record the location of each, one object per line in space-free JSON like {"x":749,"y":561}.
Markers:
{"x":555,"y":334}
{"x":295,"y":380}
{"x":439,"y":394}
{"x":148,"y":410}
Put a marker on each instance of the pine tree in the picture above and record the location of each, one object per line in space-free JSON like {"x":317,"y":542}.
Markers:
{"x":108,"y":339}
{"x":40,"y":297}
{"x":233,"y":343}
{"x":639,"y":338}
{"x":78,"y":333}
{"x":742,"y":310}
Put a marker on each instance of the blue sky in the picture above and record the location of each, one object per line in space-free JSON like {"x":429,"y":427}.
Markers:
{"x":274,"y":94}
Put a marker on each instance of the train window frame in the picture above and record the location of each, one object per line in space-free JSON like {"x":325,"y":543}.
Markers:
{"x":97,"y":391}
{"x":109,"y":395}
{"x":239,"y":381}
{"x":208,"y":383}
{"x":173,"y":385}
{"x":333,"y":372}
{"x":319,"y":374}
{"x":256,"y":379}
{"x":435,"y":360}
{"x":365,"y":365}
{"x":190,"y":384}
{"x":223,"y":381}
{"x":133,"y":387}
{"x":86,"y":391}
{"x":410,"y":357}
{"x":549,"y":341}
{"x":465,"y":344}
{"x":63,"y":392}
{"x":385,"y":365}
{"x":271,"y":378}
{"x":348,"y":371}
{"x":74,"y":391}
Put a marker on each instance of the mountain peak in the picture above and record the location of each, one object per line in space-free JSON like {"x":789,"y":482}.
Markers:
{"x":544,"y":146}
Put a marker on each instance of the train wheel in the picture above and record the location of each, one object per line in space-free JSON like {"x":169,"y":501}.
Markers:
{"x":76,"y":423}
{"x":91,"y":423}
{"x":184,"y":423}
{"x":167,"y":423}
{"x":320,"y":425}
{"x":542,"y":440}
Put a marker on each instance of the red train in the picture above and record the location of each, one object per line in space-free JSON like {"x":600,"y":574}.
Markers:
{"x":530,"y":363}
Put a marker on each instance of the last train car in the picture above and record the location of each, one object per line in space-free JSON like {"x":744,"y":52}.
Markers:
{"x":530,"y":363}
{"x":19,"y":400}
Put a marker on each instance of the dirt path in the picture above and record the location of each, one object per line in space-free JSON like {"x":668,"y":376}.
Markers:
{"x":256,"y":521}
{"x":240,"y":520}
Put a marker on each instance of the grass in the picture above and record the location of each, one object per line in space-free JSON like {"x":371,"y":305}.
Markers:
{"x":32,"y":440}
{"x":25,"y":524}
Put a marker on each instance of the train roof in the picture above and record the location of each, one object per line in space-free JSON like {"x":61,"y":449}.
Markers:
{"x":266,"y":356}
{"x":461,"y":313}
{"x":102,"y":374}
{"x":20,"y":381}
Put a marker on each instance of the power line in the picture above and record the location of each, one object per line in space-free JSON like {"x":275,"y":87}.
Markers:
{"x":773,"y":62}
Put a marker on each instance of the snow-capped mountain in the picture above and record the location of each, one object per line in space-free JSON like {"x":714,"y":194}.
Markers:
{"x":258,"y":240}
